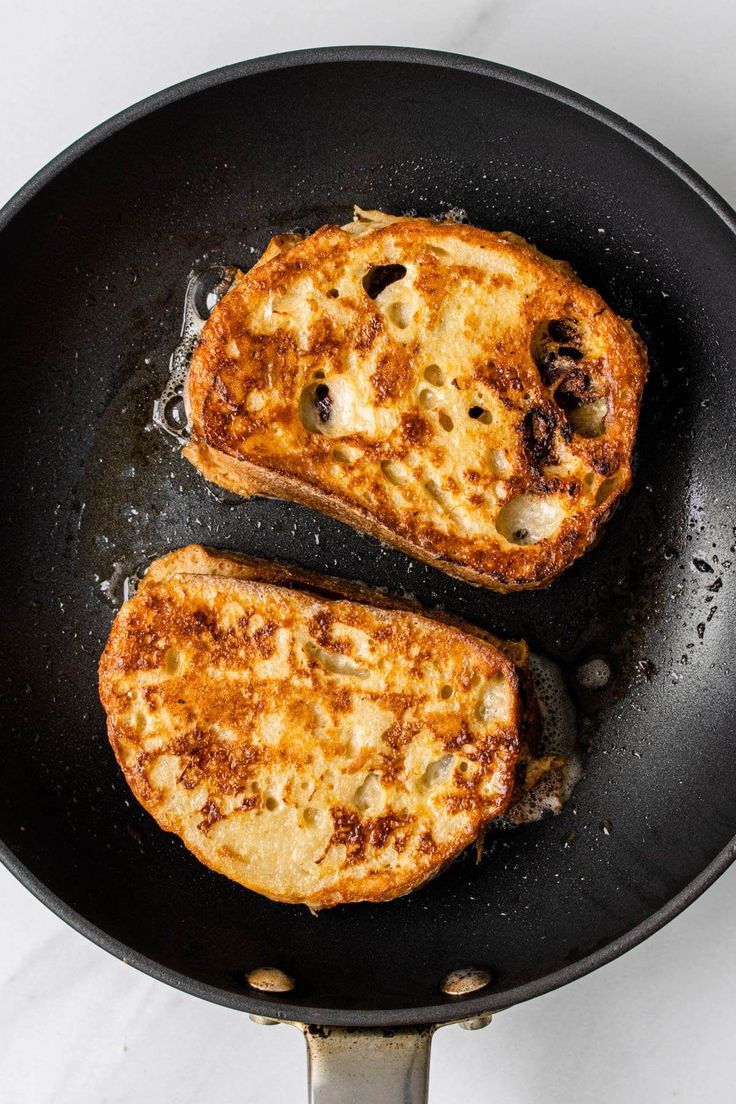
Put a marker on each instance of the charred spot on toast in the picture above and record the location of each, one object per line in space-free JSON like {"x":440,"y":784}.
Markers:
{"x":554,"y":366}
{"x":565,"y":331}
{"x":565,"y":368}
{"x":538,"y":435}
{"x":379,"y":277}
{"x":573,"y":389}
{"x":557,"y":346}
{"x":322,"y":402}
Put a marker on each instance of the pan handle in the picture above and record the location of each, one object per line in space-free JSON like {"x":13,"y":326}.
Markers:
{"x":352,"y":1066}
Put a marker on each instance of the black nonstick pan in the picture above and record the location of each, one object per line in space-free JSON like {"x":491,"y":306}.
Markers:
{"x":96,"y":254}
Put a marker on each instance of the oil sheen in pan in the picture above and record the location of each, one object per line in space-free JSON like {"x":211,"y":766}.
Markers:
{"x":559,"y":737}
{"x":204,"y":290}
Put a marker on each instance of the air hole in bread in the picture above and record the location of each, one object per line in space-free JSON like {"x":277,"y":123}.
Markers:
{"x":607,"y":488}
{"x":333,"y":293}
{"x":311,"y":817}
{"x":271,"y":803}
{"x":493,"y":702}
{"x":464,"y":767}
{"x":346,"y":454}
{"x":378,"y":278}
{"x":396,"y":472}
{"x":369,"y":795}
{"x":480,"y":414}
{"x":446,"y":422}
{"x":333,"y":662}
{"x":399,"y":313}
{"x":315,"y":406}
{"x":528,"y":518}
{"x":433,"y":374}
{"x":433,"y":488}
{"x":318,"y":375}
{"x":437,"y":771}
{"x":446,"y":691}
{"x":589,"y":420}
{"x":428,"y":398}
{"x":174,"y":661}
{"x":255,"y":787}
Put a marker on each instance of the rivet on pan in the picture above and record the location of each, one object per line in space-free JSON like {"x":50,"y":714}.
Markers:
{"x":475,"y":1024}
{"x":270,"y":980}
{"x":461,"y":982}
{"x":264,"y":1021}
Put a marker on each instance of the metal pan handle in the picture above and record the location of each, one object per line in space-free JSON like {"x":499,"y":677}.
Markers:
{"x":350,"y":1066}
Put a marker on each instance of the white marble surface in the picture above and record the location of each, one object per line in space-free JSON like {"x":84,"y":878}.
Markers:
{"x":78,"y":1027}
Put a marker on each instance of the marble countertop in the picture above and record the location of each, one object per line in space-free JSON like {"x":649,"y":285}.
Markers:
{"x":79,"y":1027}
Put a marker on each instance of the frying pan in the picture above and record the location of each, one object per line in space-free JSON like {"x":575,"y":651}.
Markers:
{"x":96,"y":254}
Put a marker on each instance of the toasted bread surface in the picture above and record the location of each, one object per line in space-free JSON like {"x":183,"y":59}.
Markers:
{"x":195,"y":559}
{"x":450,"y":390}
{"x":317,"y":750}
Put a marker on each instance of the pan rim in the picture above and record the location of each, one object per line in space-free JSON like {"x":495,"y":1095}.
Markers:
{"x":447,"y":1011}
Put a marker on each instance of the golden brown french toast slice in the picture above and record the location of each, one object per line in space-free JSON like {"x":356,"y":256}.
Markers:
{"x":195,"y":559}
{"x":316,"y":749}
{"x":447,"y":389}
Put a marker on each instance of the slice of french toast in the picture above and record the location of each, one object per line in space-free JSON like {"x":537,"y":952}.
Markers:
{"x":316,"y":748}
{"x":449,"y":390}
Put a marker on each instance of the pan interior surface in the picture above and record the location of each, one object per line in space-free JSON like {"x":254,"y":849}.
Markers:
{"x":95,"y":267}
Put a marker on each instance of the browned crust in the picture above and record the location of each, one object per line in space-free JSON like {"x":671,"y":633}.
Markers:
{"x":241,"y":463}
{"x":144,"y":627}
{"x":375,"y":889}
{"x":212,"y":561}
